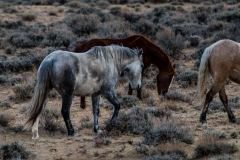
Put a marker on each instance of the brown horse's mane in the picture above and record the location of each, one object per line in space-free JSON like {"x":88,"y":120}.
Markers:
{"x":170,"y":66}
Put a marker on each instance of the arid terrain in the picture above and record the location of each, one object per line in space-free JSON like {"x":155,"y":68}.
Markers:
{"x":165,"y":128}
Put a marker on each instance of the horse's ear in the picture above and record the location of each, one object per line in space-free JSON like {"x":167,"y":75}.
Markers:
{"x":140,"y":53}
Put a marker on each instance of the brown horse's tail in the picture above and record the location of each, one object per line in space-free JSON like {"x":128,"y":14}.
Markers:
{"x":41,"y":91}
{"x":203,"y":73}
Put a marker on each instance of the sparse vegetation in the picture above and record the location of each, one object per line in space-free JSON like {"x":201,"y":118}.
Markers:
{"x":167,"y":132}
{"x":16,"y":150}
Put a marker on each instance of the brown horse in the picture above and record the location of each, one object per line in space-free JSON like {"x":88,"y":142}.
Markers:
{"x":152,"y":54}
{"x":221,"y":60}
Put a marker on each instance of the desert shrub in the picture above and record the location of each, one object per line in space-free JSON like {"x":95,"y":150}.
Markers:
{"x":74,"y":4}
{"x":16,"y":150}
{"x":186,"y":29}
{"x":52,"y":13}
{"x":198,"y":53}
{"x":24,"y":40}
{"x":57,"y":38}
{"x":22,"y":92}
{"x":205,"y":149}
{"x":177,"y":96}
{"x":5,"y":119}
{"x":3,"y":79}
{"x":15,"y":80}
{"x":222,"y":157}
{"x":234,"y":134}
{"x":10,"y":10}
{"x":172,"y":44}
{"x":150,"y":101}
{"x":131,"y":17}
{"x":100,"y":140}
{"x":86,"y":122}
{"x":112,"y":29}
{"x":51,"y":111}
{"x":145,"y":27}
{"x":5,"y":104}
{"x":160,"y":112}
{"x":170,"y":155}
{"x":227,"y":16}
{"x":232,"y":2}
{"x":9,"y":50}
{"x":103,"y":4}
{"x":188,"y":77}
{"x":135,"y":121}
{"x":51,"y":125}
{"x":194,"y":41}
{"x":28,"y":17}
{"x":129,"y":101}
{"x":20,"y":64}
{"x":11,"y":24}
{"x":141,"y":148}
{"x":15,"y":129}
{"x":158,"y":12}
{"x":116,"y":11}
{"x":83,"y":25}
{"x":167,"y":132}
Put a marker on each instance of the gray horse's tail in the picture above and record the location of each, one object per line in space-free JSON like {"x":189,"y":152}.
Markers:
{"x":203,"y":73}
{"x":41,"y":91}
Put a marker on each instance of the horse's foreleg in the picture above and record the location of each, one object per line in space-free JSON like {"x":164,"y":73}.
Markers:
{"x":139,"y":94}
{"x":66,"y":103}
{"x":112,"y":98}
{"x":223,"y":98}
{"x":130,"y":90}
{"x":82,"y":103}
{"x":35,"y":129}
{"x":212,"y":92}
{"x":95,"y":111}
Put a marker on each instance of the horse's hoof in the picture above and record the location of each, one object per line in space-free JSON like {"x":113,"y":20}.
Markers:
{"x":34,"y":137}
{"x":233,"y":120}
{"x":75,"y":134}
{"x":99,"y":131}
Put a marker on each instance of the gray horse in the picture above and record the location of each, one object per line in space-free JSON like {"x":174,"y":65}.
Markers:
{"x":95,"y":72}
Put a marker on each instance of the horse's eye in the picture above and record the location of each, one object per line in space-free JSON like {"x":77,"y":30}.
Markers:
{"x":126,"y":70}
{"x":142,"y":65}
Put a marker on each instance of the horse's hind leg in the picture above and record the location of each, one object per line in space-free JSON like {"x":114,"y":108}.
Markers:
{"x":223,"y":98}
{"x":66,"y":103}
{"x":212,"y":92}
{"x":35,"y":129}
{"x":83,"y":103}
{"x":95,"y":111}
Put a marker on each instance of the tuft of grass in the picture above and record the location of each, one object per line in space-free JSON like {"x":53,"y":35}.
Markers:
{"x":206,"y":149}
{"x":141,"y":148}
{"x":177,"y":96}
{"x":160,"y":112}
{"x":5,"y":119}
{"x":135,"y":121}
{"x":23,"y":92}
{"x":86,"y":122}
{"x":28,"y":17}
{"x":167,"y":132}
{"x":5,"y":104}
{"x":16,"y":150}
{"x":129,"y":101}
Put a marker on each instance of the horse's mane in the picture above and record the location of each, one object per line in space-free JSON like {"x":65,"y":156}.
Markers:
{"x":112,"y":52}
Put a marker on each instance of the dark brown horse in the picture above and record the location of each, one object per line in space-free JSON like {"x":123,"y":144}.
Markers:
{"x":221,"y":60}
{"x":152,"y":54}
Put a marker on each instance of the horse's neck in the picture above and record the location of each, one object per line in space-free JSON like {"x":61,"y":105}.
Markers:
{"x":158,"y":57}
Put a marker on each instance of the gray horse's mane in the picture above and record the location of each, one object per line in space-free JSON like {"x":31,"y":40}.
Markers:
{"x":113,"y":52}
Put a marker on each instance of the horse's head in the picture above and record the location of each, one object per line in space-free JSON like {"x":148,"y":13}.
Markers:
{"x":133,"y":71}
{"x":164,"y":80}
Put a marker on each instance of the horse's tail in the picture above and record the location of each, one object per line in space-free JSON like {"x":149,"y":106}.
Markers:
{"x":41,"y":91}
{"x":203,"y":73}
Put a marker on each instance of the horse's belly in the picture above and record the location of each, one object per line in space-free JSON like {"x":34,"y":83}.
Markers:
{"x":87,"y":88}
{"x":235,"y":76}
